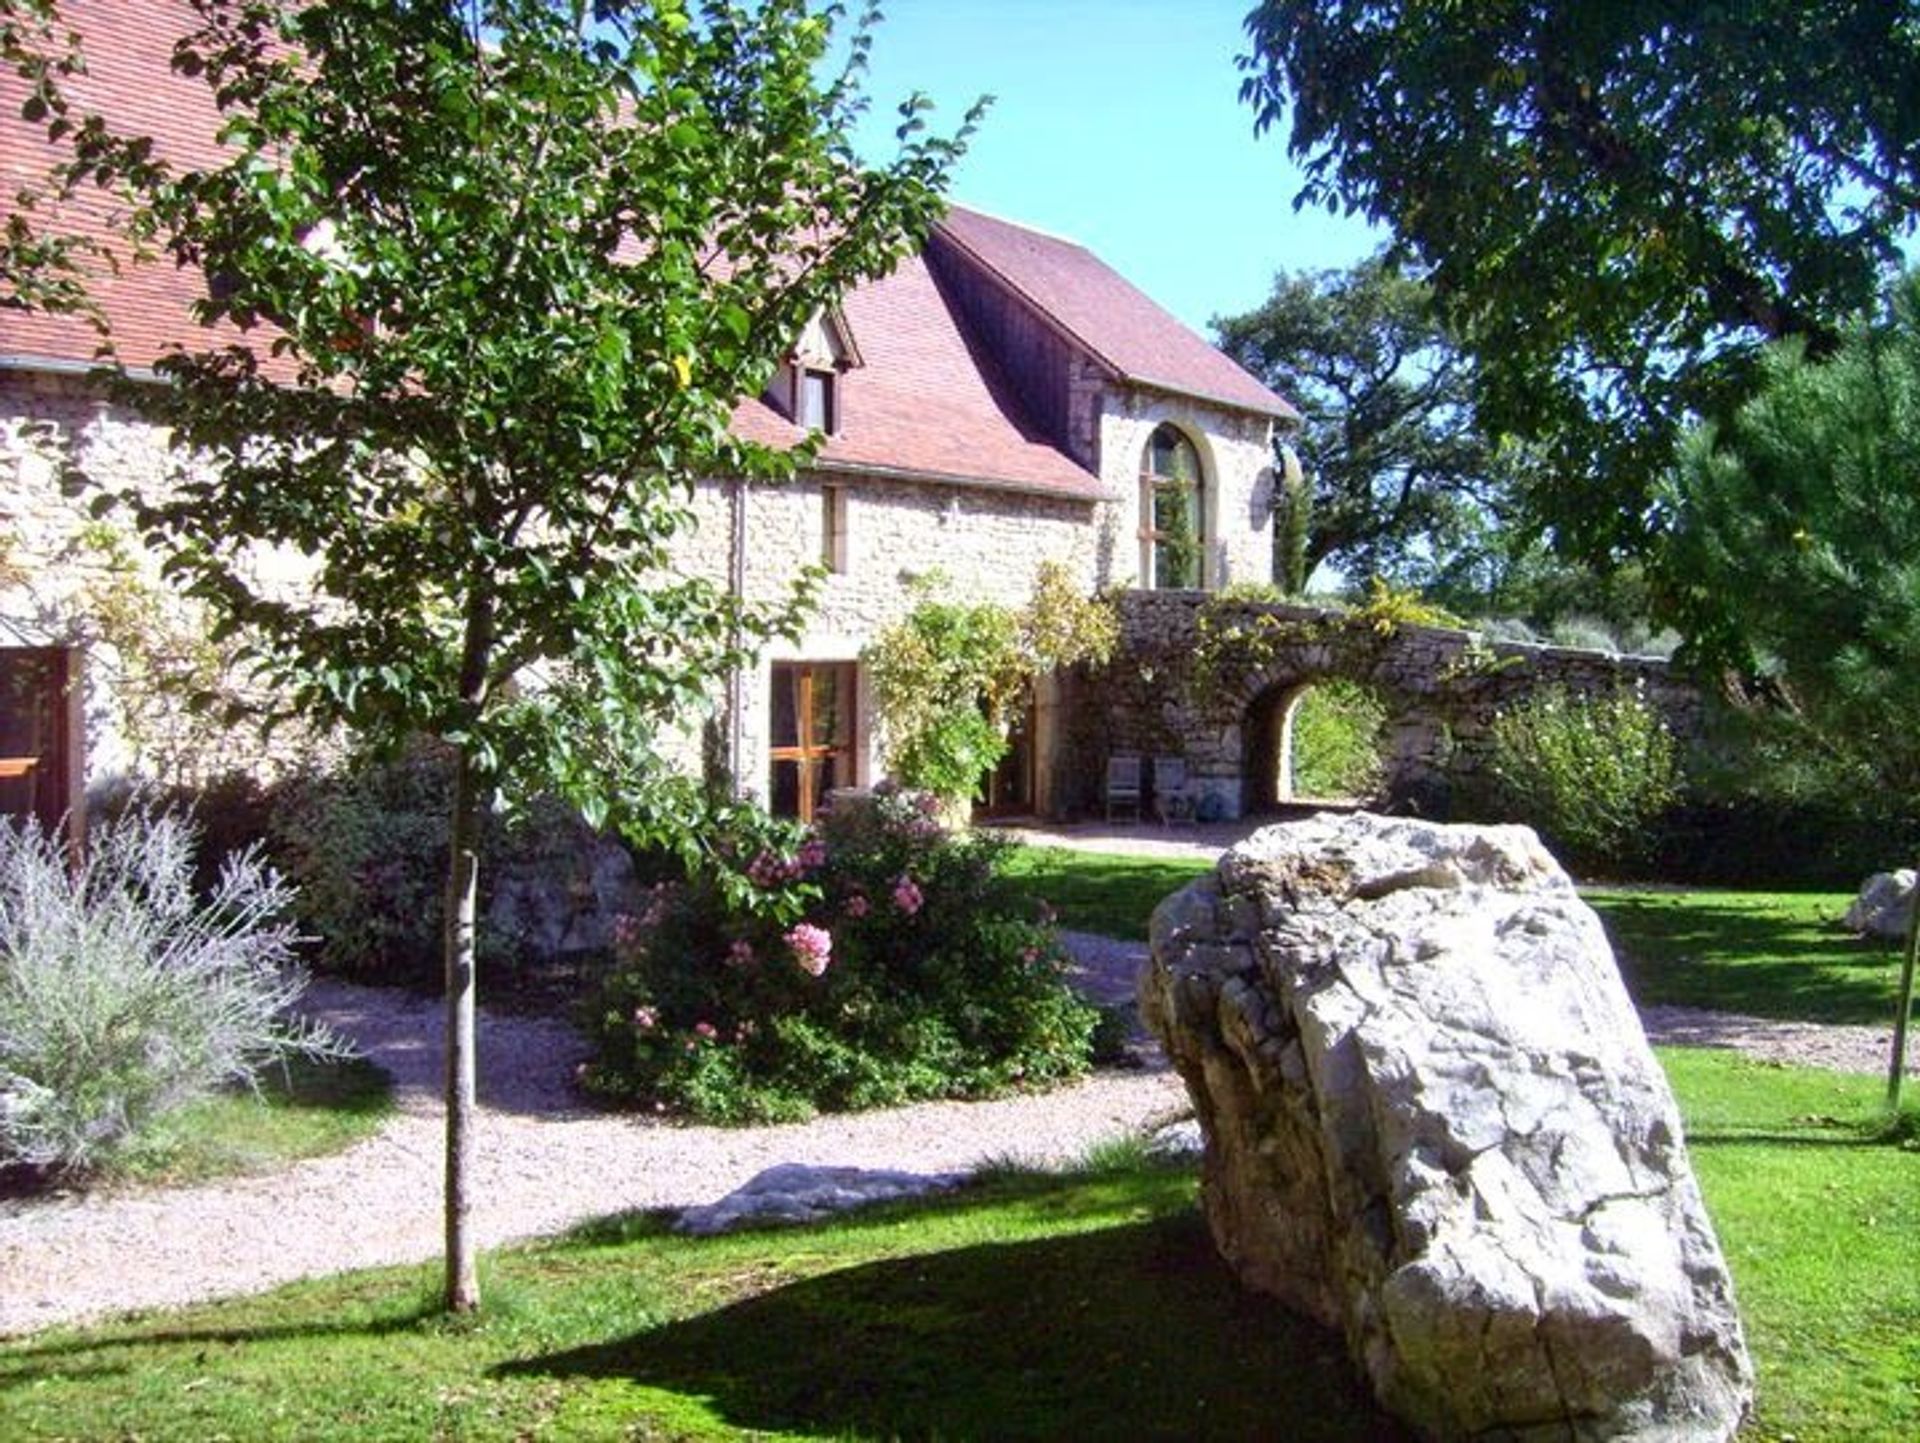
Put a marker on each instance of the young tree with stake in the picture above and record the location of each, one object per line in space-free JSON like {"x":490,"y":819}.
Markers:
{"x":505,"y":268}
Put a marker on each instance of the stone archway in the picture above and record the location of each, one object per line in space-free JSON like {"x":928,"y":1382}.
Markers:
{"x":1283,"y":765}
{"x":1441,"y":688}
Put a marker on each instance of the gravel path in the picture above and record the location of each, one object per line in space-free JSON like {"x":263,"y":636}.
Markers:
{"x":546,"y":1162}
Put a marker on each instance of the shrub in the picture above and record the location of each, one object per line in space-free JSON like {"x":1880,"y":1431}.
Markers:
{"x":1592,"y":774}
{"x":122,"y":995}
{"x":877,"y":960}
{"x":366,"y":846}
{"x":1336,"y":741}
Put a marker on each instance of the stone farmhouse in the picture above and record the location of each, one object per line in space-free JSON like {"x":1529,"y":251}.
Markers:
{"x":1003,"y":399}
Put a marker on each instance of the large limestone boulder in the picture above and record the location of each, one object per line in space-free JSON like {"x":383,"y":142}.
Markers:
{"x":1432,"y":1122}
{"x":1884,"y":906}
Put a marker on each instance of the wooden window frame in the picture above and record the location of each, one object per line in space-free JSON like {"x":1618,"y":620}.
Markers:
{"x":807,"y":751}
{"x":829,"y":383}
{"x":1153,"y":483}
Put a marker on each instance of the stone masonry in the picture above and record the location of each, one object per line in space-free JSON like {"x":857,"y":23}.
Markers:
{"x":1442,"y":688}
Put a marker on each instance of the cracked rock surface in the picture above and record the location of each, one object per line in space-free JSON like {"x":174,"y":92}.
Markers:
{"x":1433,"y":1123}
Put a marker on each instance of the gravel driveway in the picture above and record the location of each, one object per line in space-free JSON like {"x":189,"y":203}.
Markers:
{"x":545,"y":1163}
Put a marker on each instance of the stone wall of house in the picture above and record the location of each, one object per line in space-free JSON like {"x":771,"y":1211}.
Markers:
{"x":1442,"y":688}
{"x":1236,"y":452}
{"x":70,"y":578}
{"x":987,"y":544}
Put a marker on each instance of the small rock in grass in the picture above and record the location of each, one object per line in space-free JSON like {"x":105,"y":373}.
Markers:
{"x":796,"y":1193}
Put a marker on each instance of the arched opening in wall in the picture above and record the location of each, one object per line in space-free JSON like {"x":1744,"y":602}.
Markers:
{"x":1315,"y":742}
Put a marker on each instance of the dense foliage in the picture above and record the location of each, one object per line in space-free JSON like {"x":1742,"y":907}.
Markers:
{"x":879,"y":960}
{"x":1617,"y":204}
{"x":1404,"y":484}
{"x":948,"y":676}
{"x":1593,"y":775}
{"x":1798,"y":535}
{"x":1336,"y":738}
{"x":123,"y":995}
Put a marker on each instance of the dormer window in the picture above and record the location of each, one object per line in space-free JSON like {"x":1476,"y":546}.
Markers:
{"x":816,"y":400}
{"x":806,"y":390}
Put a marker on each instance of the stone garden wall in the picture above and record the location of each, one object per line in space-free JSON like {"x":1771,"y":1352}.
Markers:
{"x":1442,"y":688}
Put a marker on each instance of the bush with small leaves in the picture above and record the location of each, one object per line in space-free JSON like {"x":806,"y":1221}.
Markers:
{"x":123,"y":995}
{"x":878,"y":960}
{"x":1593,"y":774}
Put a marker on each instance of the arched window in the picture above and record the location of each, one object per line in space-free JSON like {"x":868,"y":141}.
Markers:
{"x":1173,"y":512}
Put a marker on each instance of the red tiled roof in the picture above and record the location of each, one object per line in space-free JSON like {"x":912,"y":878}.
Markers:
{"x":926,"y":402}
{"x":127,"y":49}
{"x":1112,"y":319}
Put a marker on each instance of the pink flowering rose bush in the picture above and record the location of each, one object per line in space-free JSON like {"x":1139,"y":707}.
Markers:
{"x":873,"y":960}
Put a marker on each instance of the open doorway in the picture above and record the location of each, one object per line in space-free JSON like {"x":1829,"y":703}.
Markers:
{"x":1314,"y":742}
{"x":42,"y":757}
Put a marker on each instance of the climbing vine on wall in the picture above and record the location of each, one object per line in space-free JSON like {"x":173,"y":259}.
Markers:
{"x":946,"y":678}
{"x":1240,"y":638}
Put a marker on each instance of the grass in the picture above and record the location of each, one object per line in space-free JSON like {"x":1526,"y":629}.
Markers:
{"x":1085,"y":1305}
{"x":301,"y":1110}
{"x":1099,"y":892}
{"x":1769,"y":954}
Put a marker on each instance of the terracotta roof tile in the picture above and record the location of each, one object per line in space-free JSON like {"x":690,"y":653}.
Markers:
{"x":926,"y":401}
{"x":1112,"y":319}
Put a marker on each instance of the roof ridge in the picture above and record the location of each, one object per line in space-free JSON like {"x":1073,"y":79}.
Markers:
{"x":1039,"y":230}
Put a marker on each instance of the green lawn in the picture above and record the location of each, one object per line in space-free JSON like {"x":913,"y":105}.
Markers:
{"x":1099,"y":892}
{"x":1770,"y":954}
{"x":1079,"y":1306}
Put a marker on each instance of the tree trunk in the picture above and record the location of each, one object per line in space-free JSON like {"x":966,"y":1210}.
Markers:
{"x":463,"y":872}
{"x":1897,"y":1067}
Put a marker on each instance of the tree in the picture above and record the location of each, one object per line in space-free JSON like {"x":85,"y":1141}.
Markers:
{"x":506,"y":266}
{"x":1402,"y":478}
{"x":1618,"y":204}
{"x":39,"y":270}
{"x":1798,"y":530}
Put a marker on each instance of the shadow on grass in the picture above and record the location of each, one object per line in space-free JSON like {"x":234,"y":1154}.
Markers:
{"x":25,"y":1362}
{"x":1765,"y":956}
{"x":1135,"y":1331}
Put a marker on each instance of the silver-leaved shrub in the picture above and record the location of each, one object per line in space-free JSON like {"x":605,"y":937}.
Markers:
{"x":124,"y":995}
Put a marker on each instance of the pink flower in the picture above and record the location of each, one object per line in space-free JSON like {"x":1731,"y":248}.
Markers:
{"x":645,"y":1018}
{"x":766,"y":870}
{"x":705,"y":1031}
{"x":626,"y":930}
{"x":858,"y":906}
{"x":928,"y":805}
{"x":812,"y":947}
{"x":906,"y":896}
{"x":740,"y":954}
{"x":1030,"y":955}
{"x":812,"y":855}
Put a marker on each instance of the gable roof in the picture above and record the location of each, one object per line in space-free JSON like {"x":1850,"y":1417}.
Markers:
{"x":927,"y":403}
{"x":1109,"y":317}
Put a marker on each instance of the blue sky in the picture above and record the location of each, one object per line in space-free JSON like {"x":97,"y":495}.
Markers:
{"x":1116,"y":123}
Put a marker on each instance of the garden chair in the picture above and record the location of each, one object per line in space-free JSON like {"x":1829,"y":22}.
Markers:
{"x":1123,"y":784}
{"x":1172,"y":800}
